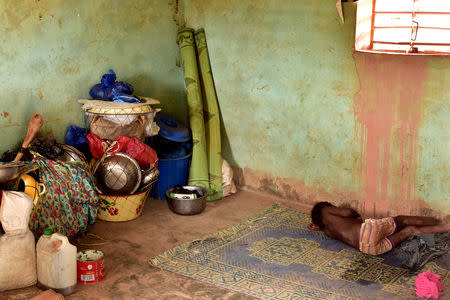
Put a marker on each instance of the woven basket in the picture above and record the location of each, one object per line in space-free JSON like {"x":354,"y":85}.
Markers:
{"x":121,"y":208}
{"x":118,"y":108}
{"x":108,"y":120}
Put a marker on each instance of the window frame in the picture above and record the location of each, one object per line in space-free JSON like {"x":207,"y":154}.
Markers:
{"x":367,"y":33}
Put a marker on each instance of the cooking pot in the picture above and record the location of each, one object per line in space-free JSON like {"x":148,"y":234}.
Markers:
{"x":32,"y":188}
{"x":12,"y":170}
{"x":150,"y":175}
{"x":187,"y":205}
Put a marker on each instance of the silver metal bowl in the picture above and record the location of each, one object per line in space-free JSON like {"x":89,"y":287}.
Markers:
{"x":150,"y":175}
{"x":187,"y":206}
{"x":148,"y":186}
{"x":149,"y":178}
{"x":71,"y":153}
{"x":12,"y":170}
{"x":118,"y":174}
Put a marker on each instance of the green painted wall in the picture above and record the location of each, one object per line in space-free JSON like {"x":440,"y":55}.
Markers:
{"x":285,"y":80}
{"x":53,"y":51}
{"x":297,"y":102}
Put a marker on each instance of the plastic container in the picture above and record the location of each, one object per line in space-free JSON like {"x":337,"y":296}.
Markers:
{"x":171,"y":129}
{"x":172,"y":172}
{"x":174,"y":147}
{"x":56,"y":263}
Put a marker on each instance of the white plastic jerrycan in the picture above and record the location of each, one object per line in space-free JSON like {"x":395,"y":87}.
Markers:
{"x":56,"y":263}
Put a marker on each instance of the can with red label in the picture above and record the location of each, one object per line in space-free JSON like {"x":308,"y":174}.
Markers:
{"x":90,"y":265}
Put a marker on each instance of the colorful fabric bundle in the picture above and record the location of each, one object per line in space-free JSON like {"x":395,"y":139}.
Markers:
{"x":70,"y":203}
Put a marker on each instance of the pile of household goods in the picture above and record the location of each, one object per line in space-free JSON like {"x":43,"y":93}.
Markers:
{"x":57,"y":180}
{"x":52,"y":192}
{"x":125,"y":169}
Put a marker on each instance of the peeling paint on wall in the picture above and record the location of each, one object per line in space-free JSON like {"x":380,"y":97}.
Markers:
{"x":311,"y":120}
{"x":389,"y":109}
{"x":178,"y":12}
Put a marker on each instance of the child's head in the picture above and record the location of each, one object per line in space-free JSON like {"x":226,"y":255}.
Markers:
{"x":316,"y":214}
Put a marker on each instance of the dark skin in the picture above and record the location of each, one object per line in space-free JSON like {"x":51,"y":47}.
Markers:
{"x":344,"y":224}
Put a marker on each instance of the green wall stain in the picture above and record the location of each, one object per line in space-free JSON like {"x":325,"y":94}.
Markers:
{"x":434,"y":142}
{"x":286,"y":79}
{"x":49,"y":62}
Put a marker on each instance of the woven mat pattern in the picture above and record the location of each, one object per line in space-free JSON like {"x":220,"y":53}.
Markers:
{"x":274,"y":255}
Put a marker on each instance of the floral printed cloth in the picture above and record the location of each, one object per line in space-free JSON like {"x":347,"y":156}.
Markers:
{"x":70,"y":203}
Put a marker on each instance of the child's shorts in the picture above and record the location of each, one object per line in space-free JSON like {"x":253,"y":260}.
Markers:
{"x":375,"y":234}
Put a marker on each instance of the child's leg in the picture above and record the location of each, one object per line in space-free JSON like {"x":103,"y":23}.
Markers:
{"x":402,"y":234}
{"x":409,"y":231}
{"x":441,"y":228}
{"x":403,"y":221}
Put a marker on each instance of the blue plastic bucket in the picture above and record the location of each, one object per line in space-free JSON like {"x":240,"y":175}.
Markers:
{"x":171,"y":172}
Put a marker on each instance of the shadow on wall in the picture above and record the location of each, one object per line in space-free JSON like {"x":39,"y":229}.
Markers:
{"x":227,"y":154}
{"x":169,"y":96}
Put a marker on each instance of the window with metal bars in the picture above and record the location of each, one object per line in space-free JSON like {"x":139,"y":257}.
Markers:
{"x":403,"y":26}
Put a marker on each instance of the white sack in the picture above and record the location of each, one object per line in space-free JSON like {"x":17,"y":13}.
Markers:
{"x":17,"y":261}
{"x":15,"y":211}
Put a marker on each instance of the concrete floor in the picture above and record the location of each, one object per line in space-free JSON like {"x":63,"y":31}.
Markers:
{"x":131,"y":244}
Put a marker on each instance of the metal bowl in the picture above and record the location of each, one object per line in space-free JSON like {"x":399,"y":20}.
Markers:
{"x":117,"y":174}
{"x":187,"y":206}
{"x":12,"y":170}
{"x":150,"y":175}
{"x":148,"y":186}
{"x":149,"y":178}
{"x":71,"y":153}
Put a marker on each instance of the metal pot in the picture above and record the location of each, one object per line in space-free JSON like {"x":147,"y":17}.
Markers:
{"x":149,"y":179}
{"x":150,"y":175}
{"x":187,"y":206}
{"x":12,"y":170}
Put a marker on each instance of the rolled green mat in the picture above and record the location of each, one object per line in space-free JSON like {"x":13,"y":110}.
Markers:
{"x":198,"y":172}
{"x":212,"y":119}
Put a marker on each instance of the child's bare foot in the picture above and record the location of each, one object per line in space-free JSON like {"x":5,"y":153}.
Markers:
{"x":446,"y":219}
{"x":412,"y":230}
{"x":446,"y":226}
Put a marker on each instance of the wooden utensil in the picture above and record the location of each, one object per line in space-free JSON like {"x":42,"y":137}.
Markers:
{"x":36,"y":122}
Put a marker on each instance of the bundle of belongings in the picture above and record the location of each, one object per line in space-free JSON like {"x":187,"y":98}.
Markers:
{"x":68,"y":202}
{"x":415,"y":252}
{"x":17,"y":244}
{"x":47,"y":185}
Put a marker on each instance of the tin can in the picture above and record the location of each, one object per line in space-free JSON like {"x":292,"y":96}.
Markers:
{"x":90,"y":265}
